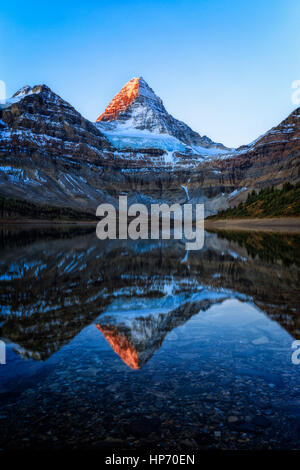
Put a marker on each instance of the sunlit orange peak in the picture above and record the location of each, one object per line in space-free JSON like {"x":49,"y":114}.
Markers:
{"x":121,"y":101}
{"x":120,"y":345}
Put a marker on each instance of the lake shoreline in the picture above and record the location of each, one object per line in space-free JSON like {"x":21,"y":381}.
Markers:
{"x":274,"y":224}
{"x":45,"y":222}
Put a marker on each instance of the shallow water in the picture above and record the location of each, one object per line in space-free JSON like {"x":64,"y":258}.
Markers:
{"x":123,"y":344}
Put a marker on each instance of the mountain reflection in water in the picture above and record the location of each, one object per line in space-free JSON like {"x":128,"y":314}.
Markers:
{"x":53,"y":287}
{"x":67,"y":296}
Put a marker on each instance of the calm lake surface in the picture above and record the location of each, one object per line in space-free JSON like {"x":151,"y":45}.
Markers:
{"x":140,"y":344}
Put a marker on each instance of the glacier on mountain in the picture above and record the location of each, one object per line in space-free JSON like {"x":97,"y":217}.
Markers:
{"x":126,"y":136}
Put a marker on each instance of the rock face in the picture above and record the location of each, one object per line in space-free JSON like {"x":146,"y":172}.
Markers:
{"x":121,"y":101}
{"x":271,"y":160}
{"x":38,"y":119}
{"x":136,"y":106}
{"x":275,"y":157}
{"x":48,"y":150}
{"x":51,"y":154}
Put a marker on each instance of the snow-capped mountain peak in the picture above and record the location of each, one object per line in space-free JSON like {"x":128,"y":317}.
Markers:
{"x":22,"y":93}
{"x":136,"y":118}
{"x":132,"y":90}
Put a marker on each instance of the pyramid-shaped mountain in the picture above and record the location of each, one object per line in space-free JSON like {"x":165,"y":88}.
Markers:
{"x":137,"y":116}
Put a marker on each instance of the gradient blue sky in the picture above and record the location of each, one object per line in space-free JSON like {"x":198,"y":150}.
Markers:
{"x":223,"y":67}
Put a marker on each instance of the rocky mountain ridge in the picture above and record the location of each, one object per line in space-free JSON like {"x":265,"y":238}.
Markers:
{"x":51,"y":154}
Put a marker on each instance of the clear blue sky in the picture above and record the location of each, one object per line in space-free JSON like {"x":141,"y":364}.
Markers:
{"x":224,"y":67}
